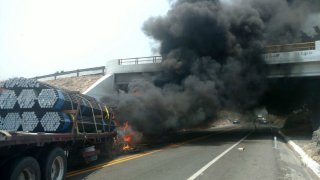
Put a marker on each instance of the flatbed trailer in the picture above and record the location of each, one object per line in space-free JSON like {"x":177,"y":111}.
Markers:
{"x":46,"y":155}
{"x":44,"y":129}
{"x":40,"y":139}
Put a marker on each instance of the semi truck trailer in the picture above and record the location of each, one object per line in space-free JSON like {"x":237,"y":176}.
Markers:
{"x":44,"y":129}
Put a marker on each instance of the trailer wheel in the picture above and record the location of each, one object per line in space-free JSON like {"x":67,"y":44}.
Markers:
{"x":26,"y":168}
{"x":54,"y":165}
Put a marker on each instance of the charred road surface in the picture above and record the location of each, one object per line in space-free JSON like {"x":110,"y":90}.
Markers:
{"x":234,"y":152}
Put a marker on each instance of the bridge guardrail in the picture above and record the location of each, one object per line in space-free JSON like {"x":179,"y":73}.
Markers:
{"x":101,"y":69}
{"x":75,"y":73}
{"x":158,"y":59}
{"x":290,"y":47}
{"x":140,"y":60}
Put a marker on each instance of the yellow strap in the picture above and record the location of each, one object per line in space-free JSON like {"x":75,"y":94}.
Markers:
{"x":72,"y":117}
{"x":107,"y":116}
{"x":74,"y":120}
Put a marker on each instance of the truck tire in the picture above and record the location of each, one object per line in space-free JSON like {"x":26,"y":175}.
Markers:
{"x":25,"y":168}
{"x":54,"y":165}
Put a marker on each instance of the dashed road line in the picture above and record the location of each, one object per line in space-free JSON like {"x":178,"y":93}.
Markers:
{"x":200,"y":171}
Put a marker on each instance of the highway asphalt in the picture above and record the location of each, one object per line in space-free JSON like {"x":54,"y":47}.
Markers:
{"x":234,"y":152}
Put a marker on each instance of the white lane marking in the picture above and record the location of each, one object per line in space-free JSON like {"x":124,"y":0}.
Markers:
{"x":198,"y":173}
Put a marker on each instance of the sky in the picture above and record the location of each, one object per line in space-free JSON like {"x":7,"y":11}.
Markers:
{"x":39,"y":37}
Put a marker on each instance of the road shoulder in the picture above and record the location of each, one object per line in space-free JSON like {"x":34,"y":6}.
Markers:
{"x":312,"y":165}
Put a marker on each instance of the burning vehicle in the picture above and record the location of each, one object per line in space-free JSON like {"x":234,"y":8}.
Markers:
{"x":127,"y":139}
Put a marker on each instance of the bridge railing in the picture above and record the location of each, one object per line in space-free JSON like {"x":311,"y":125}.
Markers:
{"x":140,"y":60}
{"x":290,"y":47}
{"x":75,"y":73}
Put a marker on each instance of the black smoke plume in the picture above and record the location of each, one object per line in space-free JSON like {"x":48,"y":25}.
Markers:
{"x":212,"y":54}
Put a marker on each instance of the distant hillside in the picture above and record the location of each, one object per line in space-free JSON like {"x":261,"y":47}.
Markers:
{"x":80,"y":83}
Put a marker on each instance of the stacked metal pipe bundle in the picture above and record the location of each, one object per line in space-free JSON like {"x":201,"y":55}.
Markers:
{"x":75,"y":98}
{"x":57,"y":100}
{"x":51,"y":99}
{"x":1,"y":122}
{"x":8,"y":99}
{"x":11,"y":122}
{"x":29,"y":105}
{"x":95,"y":104}
{"x":27,"y":99}
{"x":30,"y":121}
{"x":85,"y":124}
{"x":56,"y":122}
{"x":88,"y":105}
{"x":20,"y":83}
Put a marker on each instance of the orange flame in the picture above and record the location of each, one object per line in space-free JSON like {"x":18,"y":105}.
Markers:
{"x":126,"y":147}
{"x":127,"y":137}
{"x":126,"y":125}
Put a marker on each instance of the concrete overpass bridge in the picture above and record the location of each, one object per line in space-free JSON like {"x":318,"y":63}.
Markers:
{"x":293,"y":60}
{"x":290,"y":60}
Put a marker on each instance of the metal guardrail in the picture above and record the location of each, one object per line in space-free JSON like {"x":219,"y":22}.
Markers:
{"x":140,"y":60}
{"x":90,"y":71}
{"x":101,"y":70}
{"x":158,"y":59}
{"x":290,"y":47}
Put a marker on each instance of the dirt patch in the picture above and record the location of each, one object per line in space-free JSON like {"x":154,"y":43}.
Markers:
{"x":226,"y":117}
{"x":276,"y":121}
{"x":80,"y":83}
{"x":313,"y":148}
{"x":298,"y":119}
{"x":313,"y":151}
{"x":221,"y":122}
